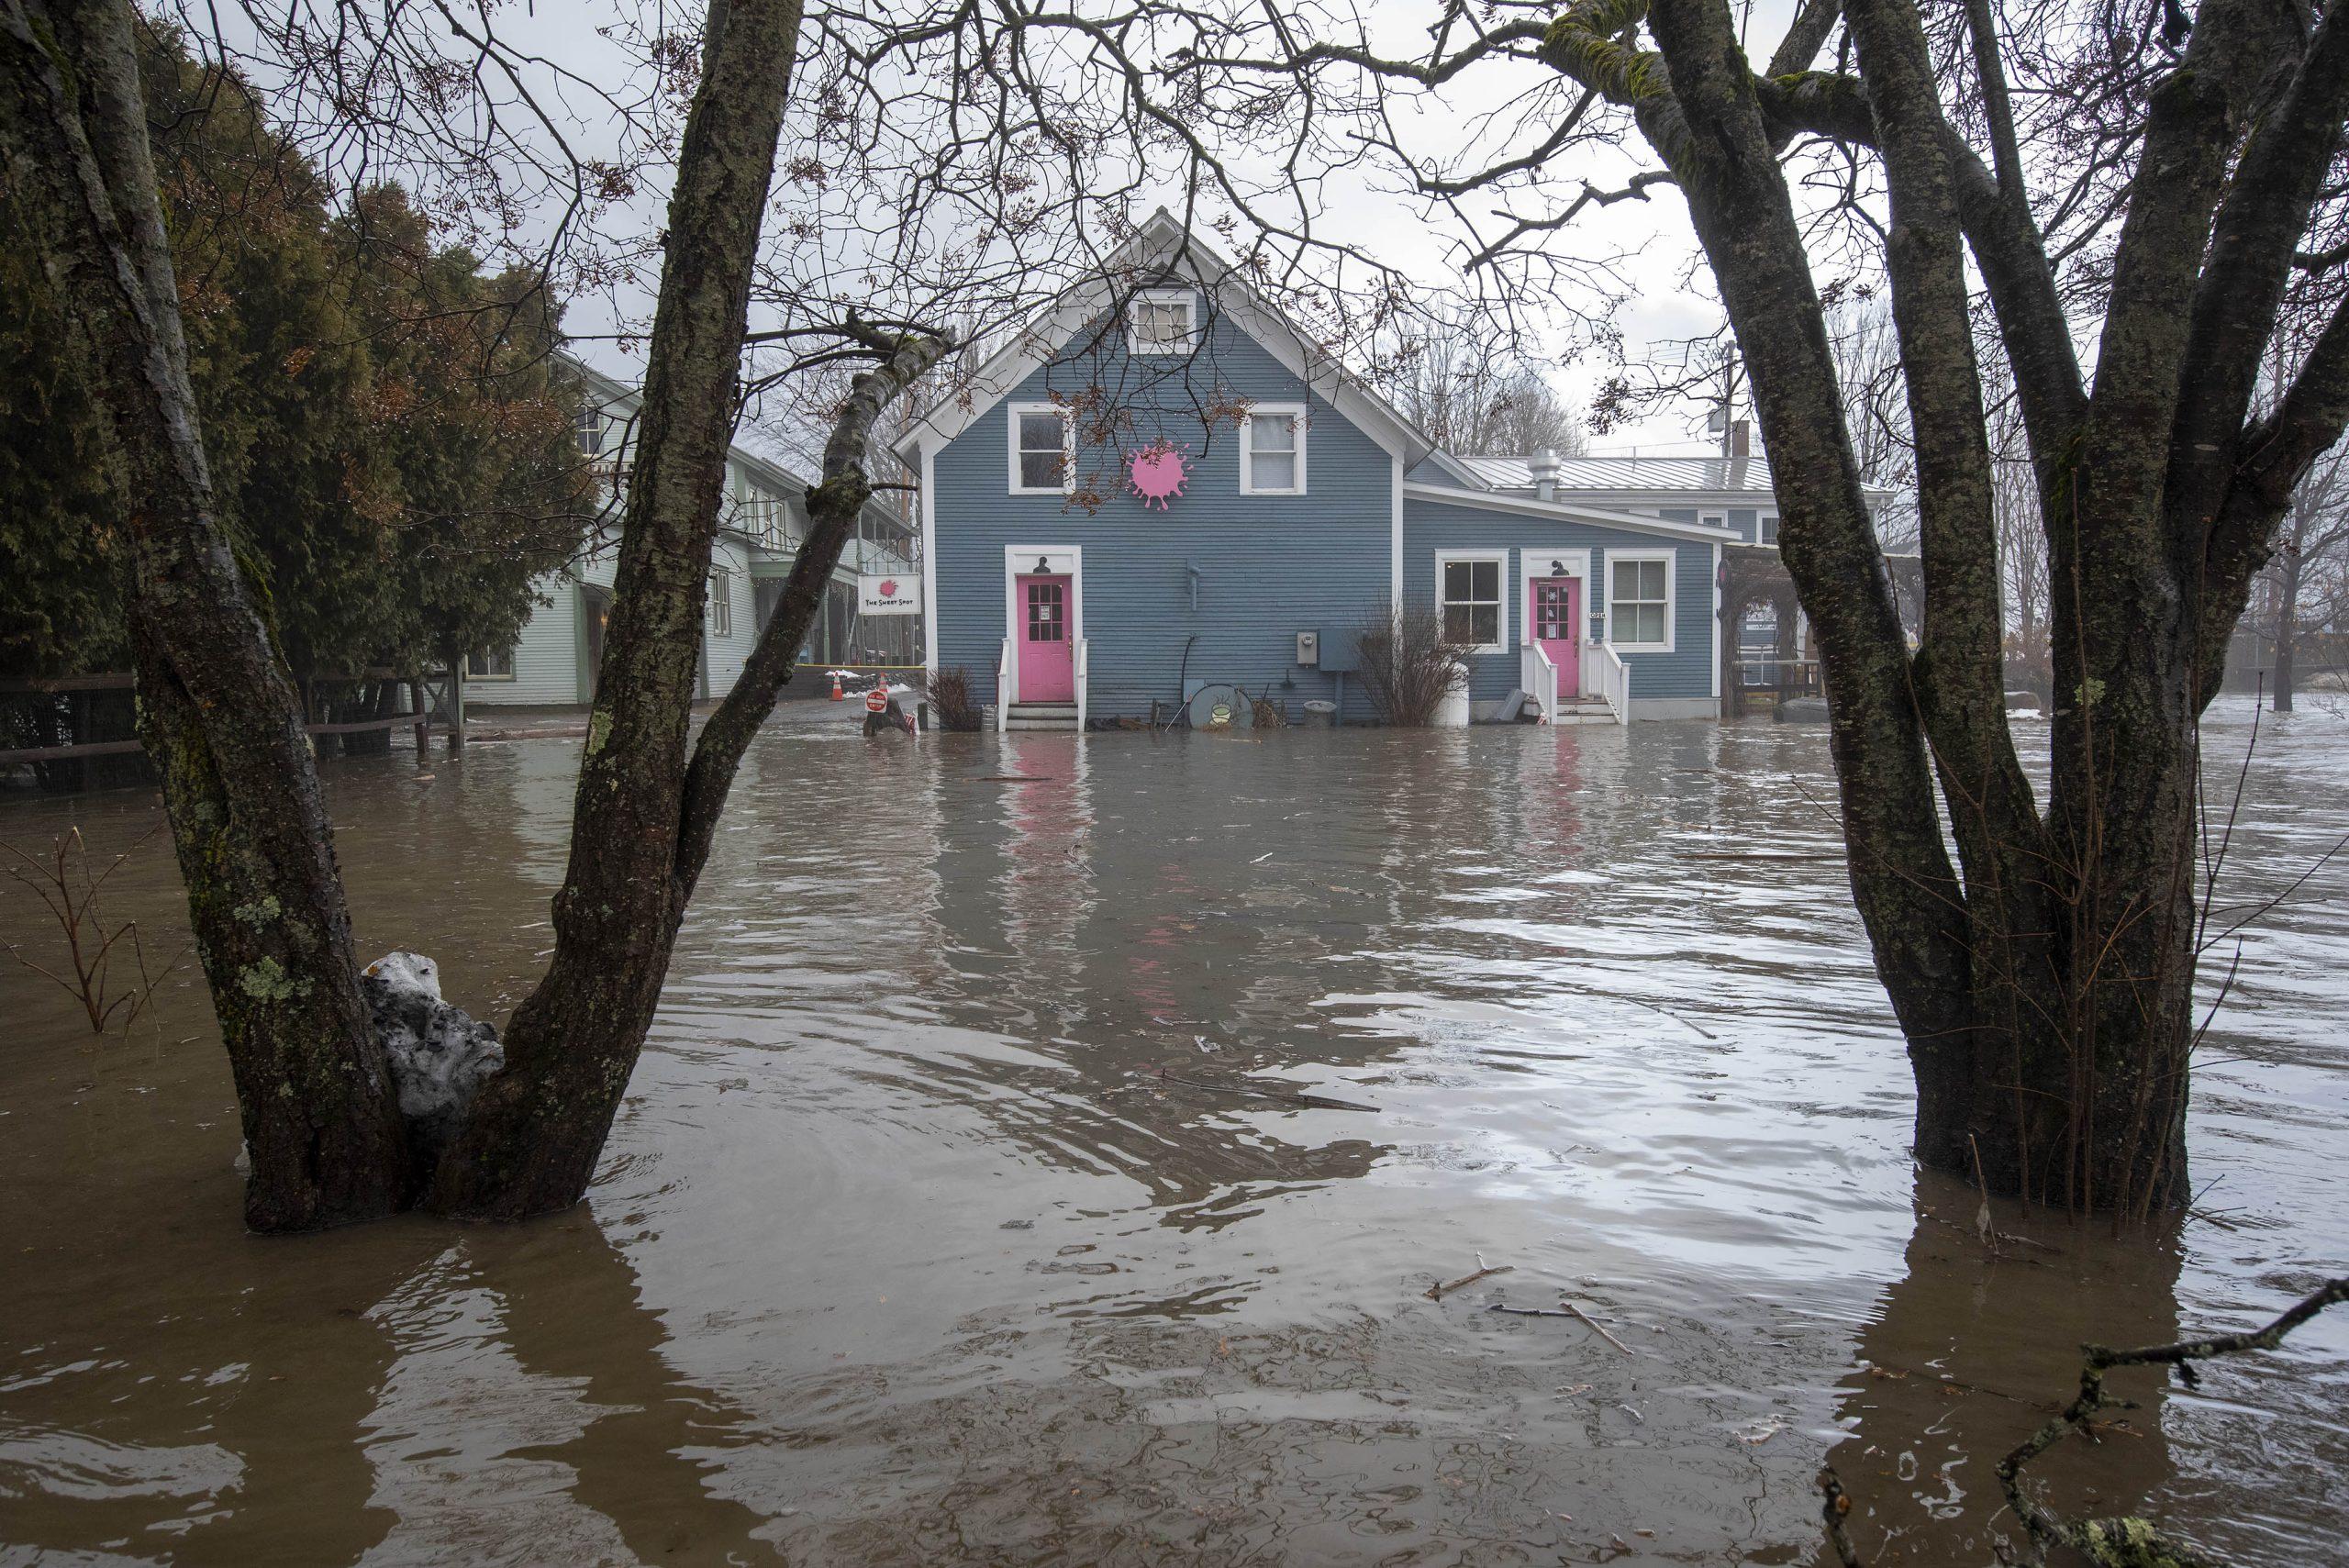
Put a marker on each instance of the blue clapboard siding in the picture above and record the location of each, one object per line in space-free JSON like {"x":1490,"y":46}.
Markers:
{"x":1434,"y":527}
{"x":1270,"y":566}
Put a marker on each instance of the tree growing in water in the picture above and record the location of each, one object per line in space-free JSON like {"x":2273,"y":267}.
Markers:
{"x":2039,"y":955}
{"x":321,"y":1116}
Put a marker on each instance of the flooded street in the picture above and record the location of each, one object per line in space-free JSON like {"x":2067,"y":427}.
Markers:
{"x":909,"y":1246}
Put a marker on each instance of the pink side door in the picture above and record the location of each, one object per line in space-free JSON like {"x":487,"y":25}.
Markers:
{"x":1047,"y":664}
{"x":1556,"y":614}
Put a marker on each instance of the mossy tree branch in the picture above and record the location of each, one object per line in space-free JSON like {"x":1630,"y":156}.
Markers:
{"x":2134,"y":1542}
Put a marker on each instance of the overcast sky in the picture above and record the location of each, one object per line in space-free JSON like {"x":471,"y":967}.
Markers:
{"x":1655,"y":232}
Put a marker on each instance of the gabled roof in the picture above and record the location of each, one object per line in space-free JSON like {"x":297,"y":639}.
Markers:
{"x":610,"y":392}
{"x":1164,"y":246}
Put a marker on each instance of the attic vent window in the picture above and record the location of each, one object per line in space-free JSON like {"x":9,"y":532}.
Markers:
{"x":1163,"y":322}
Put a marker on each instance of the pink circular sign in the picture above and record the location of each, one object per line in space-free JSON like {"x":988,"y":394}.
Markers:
{"x":1157,"y":474}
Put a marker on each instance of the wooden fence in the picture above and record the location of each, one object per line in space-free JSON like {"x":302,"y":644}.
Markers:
{"x":435,"y":699}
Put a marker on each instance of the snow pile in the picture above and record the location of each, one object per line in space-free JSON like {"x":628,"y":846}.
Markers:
{"x":439,"y":1055}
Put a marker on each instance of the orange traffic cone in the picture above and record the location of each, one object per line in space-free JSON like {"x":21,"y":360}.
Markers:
{"x":836,"y":692}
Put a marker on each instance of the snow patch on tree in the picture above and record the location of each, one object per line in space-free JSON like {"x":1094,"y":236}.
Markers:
{"x":439,"y":1055}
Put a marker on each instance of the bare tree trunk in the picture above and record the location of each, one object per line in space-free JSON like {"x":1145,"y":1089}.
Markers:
{"x":644,"y":813}
{"x":221,"y":716}
{"x":2045,"y":992}
{"x":2288,"y":608}
{"x":218,"y":712}
{"x":532,"y":1138}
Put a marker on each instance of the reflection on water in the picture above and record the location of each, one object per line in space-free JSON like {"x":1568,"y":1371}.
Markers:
{"x":910,"y":1244}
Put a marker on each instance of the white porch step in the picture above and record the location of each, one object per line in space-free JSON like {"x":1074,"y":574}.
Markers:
{"x":1584,"y":712}
{"x":1041,"y":715}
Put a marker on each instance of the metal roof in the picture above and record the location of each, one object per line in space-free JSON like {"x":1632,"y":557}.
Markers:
{"x":1708,"y":474}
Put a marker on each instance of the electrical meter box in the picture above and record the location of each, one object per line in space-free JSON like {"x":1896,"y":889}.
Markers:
{"x":1308,"y":648}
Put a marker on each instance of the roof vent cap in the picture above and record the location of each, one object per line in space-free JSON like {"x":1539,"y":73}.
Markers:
{"x":1545,"y":465}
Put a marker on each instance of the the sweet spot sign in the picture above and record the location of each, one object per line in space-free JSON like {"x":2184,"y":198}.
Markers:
{"x":888,"y":593}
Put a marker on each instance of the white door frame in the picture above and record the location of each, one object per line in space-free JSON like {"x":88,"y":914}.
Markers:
{"x":1577,"y":564}
{"x":1019,"y":560}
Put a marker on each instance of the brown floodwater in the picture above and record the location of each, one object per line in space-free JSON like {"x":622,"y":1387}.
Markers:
{"x":908,"y":1247}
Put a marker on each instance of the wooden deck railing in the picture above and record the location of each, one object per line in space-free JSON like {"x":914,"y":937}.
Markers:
{"x":423,"y":706}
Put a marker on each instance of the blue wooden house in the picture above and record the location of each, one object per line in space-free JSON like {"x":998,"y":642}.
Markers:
{"x":1165,"y":484}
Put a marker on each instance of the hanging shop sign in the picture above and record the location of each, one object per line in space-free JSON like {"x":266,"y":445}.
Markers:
{"x":888,"y":593}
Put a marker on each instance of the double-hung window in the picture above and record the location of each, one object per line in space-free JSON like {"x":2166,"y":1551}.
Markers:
{"x":721,"y":602}
{"x":1162,"y":321}
{"x":490,"y":664}
{"x":1468,"y":593}
{"x":1044,"y":449}
{"x":1639,"y":600}
{"x":589,"y":427}
{"x":1272,"y":449}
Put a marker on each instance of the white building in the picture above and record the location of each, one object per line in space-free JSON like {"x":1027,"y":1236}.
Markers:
{"x":553,"y":662}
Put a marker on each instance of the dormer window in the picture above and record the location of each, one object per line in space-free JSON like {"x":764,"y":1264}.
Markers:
{"x":1163,"y":322}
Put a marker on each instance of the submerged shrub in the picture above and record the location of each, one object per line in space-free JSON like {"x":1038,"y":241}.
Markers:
{"x":1408,"y":663}
{"x":950,"y":699}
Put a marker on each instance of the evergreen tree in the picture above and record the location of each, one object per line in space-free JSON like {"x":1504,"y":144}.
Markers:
{"x":392,"y":457}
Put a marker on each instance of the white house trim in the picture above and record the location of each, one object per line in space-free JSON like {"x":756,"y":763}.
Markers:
{"x":1671,"y":560}
{"x":1164,"y":246}
{"x":1021,"y":560}
{"x":1067,"y":417}
{"x":1717,"y":621}
{"x":1564,"y":512}
{"x":1394,"y":546}
{"x":1500,"y":557}
{"x":1293,"y":411}
{"x":1458,"y":470}
{"x":930,"y":564}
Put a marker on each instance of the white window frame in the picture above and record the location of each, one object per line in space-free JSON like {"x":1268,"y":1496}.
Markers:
{"x":1500,"y":558}
{"x":1766,"y":529}
{"x":1188,"y":298}
{"x":1067,"y":417}
{"x":718,"y":604}
{"x":485,"y":655}
{"x":1294,"y":412}
{"x":1671,"y":560}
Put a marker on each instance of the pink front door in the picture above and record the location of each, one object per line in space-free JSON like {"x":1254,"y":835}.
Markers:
{"x":1556,"y":617}
{"x":1047,"y":669}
